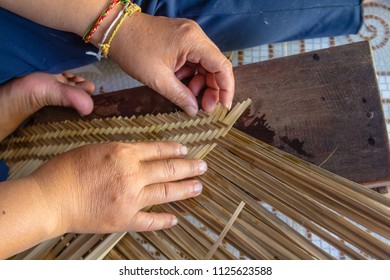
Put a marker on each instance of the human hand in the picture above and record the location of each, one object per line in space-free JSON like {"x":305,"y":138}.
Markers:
{"x":159,"y":51}
{"x":103,"y":188}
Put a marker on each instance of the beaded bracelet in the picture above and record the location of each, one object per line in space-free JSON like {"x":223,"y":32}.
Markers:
{"x":94,"y":27}
{"x":128,"y":11}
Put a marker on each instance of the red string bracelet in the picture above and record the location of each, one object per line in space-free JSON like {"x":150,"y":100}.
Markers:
{"x":88,"y":35}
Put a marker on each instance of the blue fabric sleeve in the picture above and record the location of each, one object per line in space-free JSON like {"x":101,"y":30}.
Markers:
{"x":27,"y":47}
{"x":3,"y":171}
{"x":234,"y":25}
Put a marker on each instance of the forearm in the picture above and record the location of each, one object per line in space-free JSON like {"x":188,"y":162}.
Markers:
{"x":68,"y":15}
{"x":24,"y":217}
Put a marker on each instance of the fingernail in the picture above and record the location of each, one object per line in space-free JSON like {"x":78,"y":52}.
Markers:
{"x":191,"y":110}
{"x":183,"y":150}
{"x":230,"y":105}
{"x":174,"y":222}
{"x":202,"y":166}
{"x":198,"y":187}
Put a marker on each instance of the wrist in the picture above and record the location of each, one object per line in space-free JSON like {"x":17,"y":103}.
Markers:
{"x":109,"y":31}
{"x":128,"y":35}
{"x":52,"y":220}
{"x":97,"y":36}
{"x":26,"y":219}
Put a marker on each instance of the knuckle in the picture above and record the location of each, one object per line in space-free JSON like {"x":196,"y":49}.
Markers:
{"x":150,"y":225}
{"x":194,"y":168}
{"x":226,"y":64}
{"x":187,"y":26}
{"x":188,"y":31}
{"x":170,"y":168}
{"x":179,"y":98}
{"x":158,"y":150}
{"x":116,"y":149}
{"x":166,"y":190}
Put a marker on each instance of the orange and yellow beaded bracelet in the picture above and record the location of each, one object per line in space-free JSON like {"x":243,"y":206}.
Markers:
{"x":129,"y":10}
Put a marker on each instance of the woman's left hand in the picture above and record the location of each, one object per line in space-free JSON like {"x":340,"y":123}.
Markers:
{"x":159,"y":51}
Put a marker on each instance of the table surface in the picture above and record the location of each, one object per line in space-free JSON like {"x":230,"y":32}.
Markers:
{"x":321,"y":106}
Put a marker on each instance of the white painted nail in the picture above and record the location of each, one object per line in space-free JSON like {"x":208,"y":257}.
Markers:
{"x":202,"y":166}
{"x":174,"y":222}
{"x":183,"y":150}
{"x":198,"y":187}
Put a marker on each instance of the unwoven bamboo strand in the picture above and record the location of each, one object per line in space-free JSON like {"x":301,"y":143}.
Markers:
{"x":263,"y":243}
{"x":275,"y":225}
{"x":263,"y":221}
{"x":137,"y":251}
{"x":212,"y":220}
{"x":373,"y":203}
{"x":203,"y":240}
{"x":371,"y":207}
{"x":303,"y":203}
{"x":218,"y":243}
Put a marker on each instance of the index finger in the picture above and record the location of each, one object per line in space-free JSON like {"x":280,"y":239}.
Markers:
{"x":222,"y":83}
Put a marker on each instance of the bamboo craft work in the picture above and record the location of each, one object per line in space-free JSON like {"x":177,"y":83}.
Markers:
{"x":351,"y":218}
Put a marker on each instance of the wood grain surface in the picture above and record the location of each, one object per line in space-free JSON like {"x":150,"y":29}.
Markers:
{"x":321,"y":106}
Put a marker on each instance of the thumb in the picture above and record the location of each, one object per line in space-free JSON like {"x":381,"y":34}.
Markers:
{"x":169,"y":86}
{"x":70,"y":96}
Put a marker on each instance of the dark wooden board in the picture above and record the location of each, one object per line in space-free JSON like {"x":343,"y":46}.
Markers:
{"x":321,"y":106}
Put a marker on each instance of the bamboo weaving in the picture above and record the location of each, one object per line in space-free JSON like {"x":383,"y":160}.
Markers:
{"x":246,"y":177}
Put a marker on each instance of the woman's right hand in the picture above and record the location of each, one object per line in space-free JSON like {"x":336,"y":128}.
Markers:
{"x":103,"y":188}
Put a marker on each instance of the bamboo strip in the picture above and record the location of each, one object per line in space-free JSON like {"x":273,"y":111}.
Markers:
{"x":268,"y":238}
{"x":74,"y":246}
{"x":85,"y":247}
{"x":35,"y":252}
{"x":275,"y":223}
{"x":59,"y":247}
{"x":115,"y":255}
{"x":370,"y":210}
{"x":162,"y":245}
{"x":202,"y":238}
{"x":130,"y":248}
{"x":299,"y":164}
{"x":305,"y":205}
{"x":103,"y":248}
{"x":217,"y":243}
{"x":279,"y":235}
{"x":213,"y":222}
